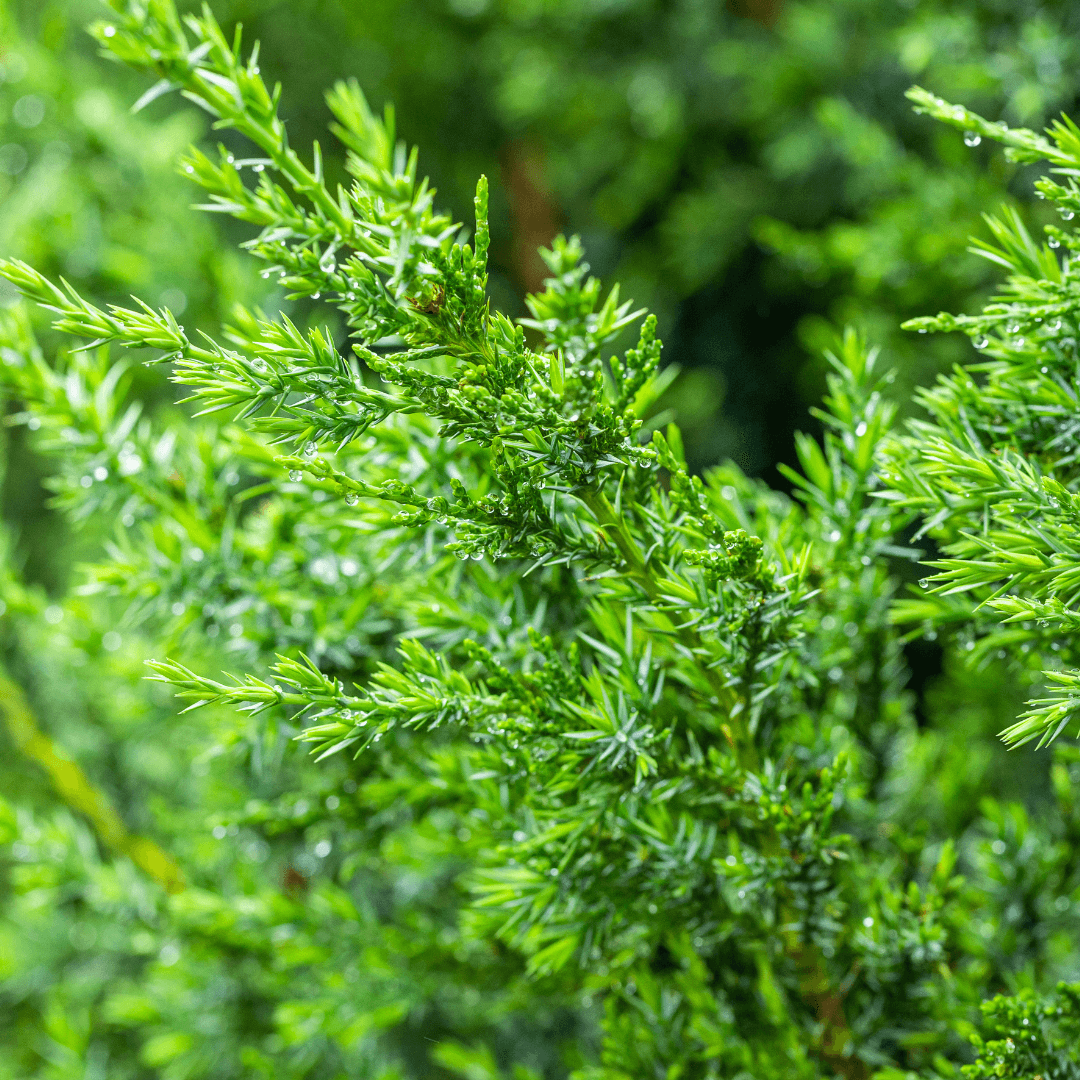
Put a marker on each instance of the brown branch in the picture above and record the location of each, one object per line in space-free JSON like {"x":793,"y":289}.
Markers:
{"x":534,"y":213}
{"x":765,"y":12}
{"x":836,"y":1044}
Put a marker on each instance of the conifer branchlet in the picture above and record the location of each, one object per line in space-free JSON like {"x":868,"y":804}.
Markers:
{"x":661,"y":708}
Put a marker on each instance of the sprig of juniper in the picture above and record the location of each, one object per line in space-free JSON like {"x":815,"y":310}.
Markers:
{"x":547,"y":422}
{"x":1029,"y":1035}
{"x":993,"y":472}
{"x":642,"y":737}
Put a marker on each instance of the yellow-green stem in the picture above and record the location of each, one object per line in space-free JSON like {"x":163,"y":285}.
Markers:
{"x":76,"y":789}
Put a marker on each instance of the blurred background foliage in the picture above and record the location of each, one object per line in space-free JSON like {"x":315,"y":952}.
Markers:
{"x":750,"y":171}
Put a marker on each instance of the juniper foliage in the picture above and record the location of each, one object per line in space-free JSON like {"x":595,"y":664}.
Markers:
{"x":1030,"y":1037}
{"x":992,"y":471}
{"x":615,"y":748}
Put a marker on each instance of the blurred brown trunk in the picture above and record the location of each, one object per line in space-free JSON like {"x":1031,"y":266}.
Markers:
{"x":534,"y":213}
{"x":765,"y":12}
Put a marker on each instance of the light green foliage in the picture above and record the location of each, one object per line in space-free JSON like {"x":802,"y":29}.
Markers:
{"x":616,"y":775}
{"x":91,"y":192}
{"x":1030,"y":1037}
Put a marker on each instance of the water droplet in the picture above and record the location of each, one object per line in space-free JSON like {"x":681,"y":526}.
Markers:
{"x":981,"y":342}
{"x":109,"y":31}
{"x":924,"y":583}
{"x":462,"y":555}
{"x":1013,"y":328}
{"x":189,"y":169}
{"x":1068,"y":215}
{"x":1053,"y":242}
{"x":311,"y":449}
{"x":257,"y":168}
{"x":295,"y":475}
{"x":316,"y":295}
{"x":1044,"y":369}
{"x":860,"y":431}
{"x":923,"y":330}
{"x":258,"y":364}
{"x":352,"y":499}
{"x":1055,"y":326}
{"x":972,"y":138}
